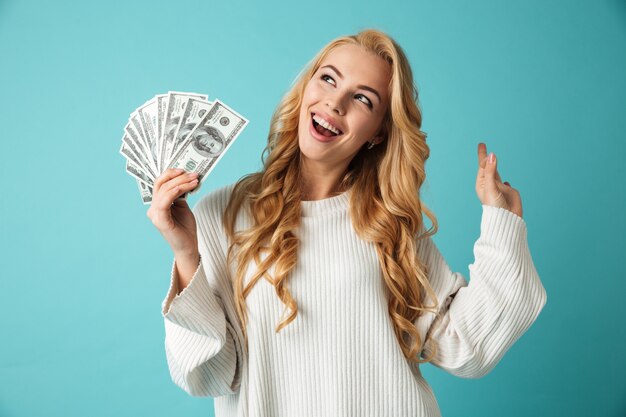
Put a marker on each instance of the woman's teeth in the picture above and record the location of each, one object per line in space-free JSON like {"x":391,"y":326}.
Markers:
{"x":322,"y":130}
{"x":332,"y":129}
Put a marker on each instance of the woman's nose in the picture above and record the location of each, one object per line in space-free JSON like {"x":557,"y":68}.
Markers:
{"x":335,"y":103}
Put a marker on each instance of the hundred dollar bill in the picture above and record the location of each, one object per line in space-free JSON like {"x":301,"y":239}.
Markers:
{"x":194,"y":112}
{"x":138,"y":173}
{"x":136,"y":144}
{"x":140,"y":157}
{"x":145,"y":191}
{"x":208,"y":141}
{"x":147,"y":116}
{"x":136,"y":123}
{"x":134,"y":129}
{"x":161,"y":107}
{"x":175,"y":107}
{"x":131,"y":153}
{"x":129,"y":143}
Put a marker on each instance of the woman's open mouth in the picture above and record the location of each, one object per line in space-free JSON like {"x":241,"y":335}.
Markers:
{"x":322,"y":132}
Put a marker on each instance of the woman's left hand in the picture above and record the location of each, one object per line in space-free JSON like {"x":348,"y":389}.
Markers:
{"x":489,"y":187}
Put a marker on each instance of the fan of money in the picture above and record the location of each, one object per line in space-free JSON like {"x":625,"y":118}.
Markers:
{"x":178,"y":130}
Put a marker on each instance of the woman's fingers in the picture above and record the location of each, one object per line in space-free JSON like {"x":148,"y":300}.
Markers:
{"x":176,"y":181}
{"x":498,"y":177}
{"x":167,"y":175}
{"x":169,"y":186}
{"x":173,"y":189}
{"x":177,"y":190}
{"x":482,"y":160}
{"x":482,"y":155}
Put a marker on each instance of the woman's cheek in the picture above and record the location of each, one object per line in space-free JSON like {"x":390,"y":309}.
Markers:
{"x":312,"y":96}
{"x":314,"y":92}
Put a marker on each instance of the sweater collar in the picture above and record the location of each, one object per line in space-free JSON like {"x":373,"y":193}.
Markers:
{"x":316,"y":208}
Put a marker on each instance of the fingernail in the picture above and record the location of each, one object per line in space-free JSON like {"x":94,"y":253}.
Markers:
{"x":492,"y":157}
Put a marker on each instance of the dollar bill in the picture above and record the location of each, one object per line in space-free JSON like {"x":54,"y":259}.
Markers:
{"x":147,"y":117}
{"x":135,"y":131}
{"x":177,"y":130}
{"x":139,"y":174}
{"x":137,"y":159}
{"x":161,"y":107}
{"x":136,"y":123}
{"x":145,"y":192}
{"x":131,"y":153}
{"x":175,"y":107}
{"x":135,"y":143}
{"x":194,"y":112}
{"x":208,"y":142}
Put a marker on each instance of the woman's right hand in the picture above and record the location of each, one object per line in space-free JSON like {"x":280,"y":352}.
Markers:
{"x":173,"y":218}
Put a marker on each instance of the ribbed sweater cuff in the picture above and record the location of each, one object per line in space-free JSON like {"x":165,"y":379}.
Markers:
{"x":501,"y":225}
{"x":196,"y":308}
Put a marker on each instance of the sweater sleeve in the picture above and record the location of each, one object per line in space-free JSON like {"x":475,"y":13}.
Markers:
{"x":478,"y":322}
{"x":202,"y":348}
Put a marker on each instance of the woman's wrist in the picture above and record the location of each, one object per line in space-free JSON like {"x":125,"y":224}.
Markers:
{"x":186,"y":266}
{"x":190,"y":252}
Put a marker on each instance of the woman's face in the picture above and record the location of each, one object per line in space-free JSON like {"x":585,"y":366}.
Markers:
{"x":349,"y":91}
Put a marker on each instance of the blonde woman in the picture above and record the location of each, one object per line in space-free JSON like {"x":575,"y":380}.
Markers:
{"x":312,"y":287}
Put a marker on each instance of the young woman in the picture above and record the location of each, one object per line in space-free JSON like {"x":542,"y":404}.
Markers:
{"x":312,"y":288}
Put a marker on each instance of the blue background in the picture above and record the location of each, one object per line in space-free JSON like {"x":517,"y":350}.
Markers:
{"x":84,"y":271}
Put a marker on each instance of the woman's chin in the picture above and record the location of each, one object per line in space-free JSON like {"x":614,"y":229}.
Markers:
{"x":312,"y":149}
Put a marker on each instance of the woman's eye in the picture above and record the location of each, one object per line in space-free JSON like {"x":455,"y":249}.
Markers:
{"x":324,"y":76}
{"x":368,"y":102}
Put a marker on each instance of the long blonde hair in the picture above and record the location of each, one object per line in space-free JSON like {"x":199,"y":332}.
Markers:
{"x":385,"y":207}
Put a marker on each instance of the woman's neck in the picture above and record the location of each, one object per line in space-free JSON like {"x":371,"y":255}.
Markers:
{"x":319,"y":193}
{"x":320,"y":182}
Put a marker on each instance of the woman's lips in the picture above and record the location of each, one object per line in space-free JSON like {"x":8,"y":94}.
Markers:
{"x":318,"y":135}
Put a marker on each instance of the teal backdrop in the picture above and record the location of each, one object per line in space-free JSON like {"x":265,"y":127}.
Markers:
{"x":84,"y":271}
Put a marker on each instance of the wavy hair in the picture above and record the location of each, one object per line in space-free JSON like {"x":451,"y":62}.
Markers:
{"x":385,"y":207}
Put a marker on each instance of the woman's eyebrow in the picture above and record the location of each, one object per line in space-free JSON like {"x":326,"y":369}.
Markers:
{"x":364,"y":87}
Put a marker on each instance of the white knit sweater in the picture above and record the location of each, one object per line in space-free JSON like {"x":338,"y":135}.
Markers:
{"x":340,"y":356}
